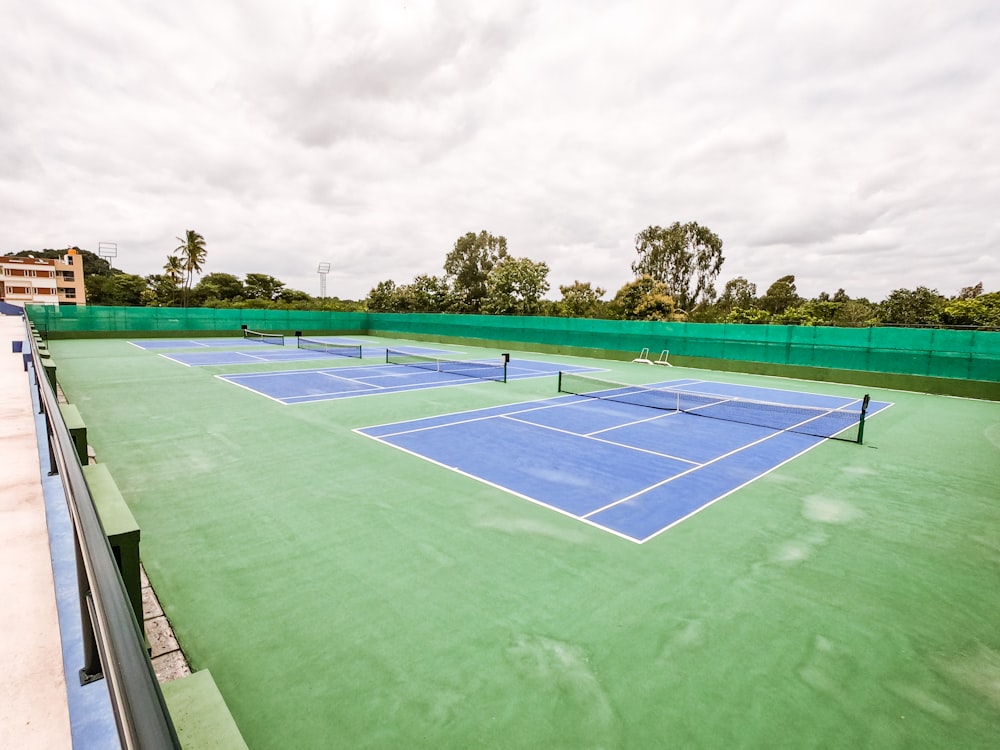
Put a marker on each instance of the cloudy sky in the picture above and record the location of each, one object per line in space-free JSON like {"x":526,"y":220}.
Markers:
{"x":854,"y":144}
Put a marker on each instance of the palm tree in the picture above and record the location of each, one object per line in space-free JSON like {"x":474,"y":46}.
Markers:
{"x":174,"y":268}
{"x":192,"y":255}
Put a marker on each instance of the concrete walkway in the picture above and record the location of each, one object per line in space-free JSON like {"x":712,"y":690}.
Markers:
{"x":33,"y":703}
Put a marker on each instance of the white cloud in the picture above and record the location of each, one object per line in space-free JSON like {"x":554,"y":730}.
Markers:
{"x":851,"y":145}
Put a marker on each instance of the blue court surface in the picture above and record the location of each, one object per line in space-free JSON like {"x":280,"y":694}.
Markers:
{"x":632,"y":470}
{"x":198,"y":343}
{"x":323,"y":384}
{"x":260,"y":353}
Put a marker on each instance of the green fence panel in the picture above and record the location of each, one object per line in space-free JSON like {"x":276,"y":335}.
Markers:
{"x":984,"y":368}
{"x":912,"y":339}
{"x":100,"y":319}
{"x":844,"y":348}
{"x":951,"y":364}
{"x":718,"y":331}
{"x":940,"y":353}
{"x":807,"y":349}
{"x":986,"y":343}
{"x":948,"y":340}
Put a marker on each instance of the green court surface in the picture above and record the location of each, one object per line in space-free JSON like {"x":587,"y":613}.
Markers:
{"x":347,"y":594}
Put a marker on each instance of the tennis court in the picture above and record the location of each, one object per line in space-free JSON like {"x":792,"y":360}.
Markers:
{"x":349,"y":593}
{"x":411,"y":368}
{"x":262,"y":354}
{"x":606,"y":459}
{"x":229,"y":342}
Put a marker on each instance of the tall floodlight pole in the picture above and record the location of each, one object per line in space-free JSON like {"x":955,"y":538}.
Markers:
{"x":323,"y":270}
{"x":107,"y":251}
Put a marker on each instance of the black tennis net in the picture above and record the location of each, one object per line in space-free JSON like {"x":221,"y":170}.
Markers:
{"x":482,"y":369}
{"x":843,"y":423}
{"x":265,"y":338}
{"x":325,"y":347}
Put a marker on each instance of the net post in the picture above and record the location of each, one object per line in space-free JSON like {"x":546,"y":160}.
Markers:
{"x":861,"y":421}
{"x":559,"y":388}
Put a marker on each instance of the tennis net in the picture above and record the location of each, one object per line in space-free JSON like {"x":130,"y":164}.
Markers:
{"x":485,"y":370}
{"x":265,"y":338}
{"x":843,"y":423}
{"x":335,"y":350}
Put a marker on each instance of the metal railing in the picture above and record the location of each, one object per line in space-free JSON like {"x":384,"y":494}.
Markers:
{"x":113,"y":642}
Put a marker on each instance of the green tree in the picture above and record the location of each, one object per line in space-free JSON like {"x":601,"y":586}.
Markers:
{"x":752,"y":315}
{"x":644,"y":298}
{"x":981,"y":310}
{"x":815,"y":312}
{"x":515,"y":286}
{"x":686,"y":257}
{"x":738,"y":294}
{"x":161,"y":290}
{"x":921,"y":306}
{"x":468,"y":266}
{"x":797,"y":315}
{"x":192,"y":254}
{"x":780,"y":296}
{"x":262,"y":286}
{"x":968,"y":292}
{"x":580,"y":300}
{"x":120,"y":289}
{"x":428,"y":294}
{"x":214,"y":288}
{"x":293,"y":296}
{"x":383,"y":297}
{"x":856,"y":312}
{"x":99,"y":290}
{"x":173,"y":275}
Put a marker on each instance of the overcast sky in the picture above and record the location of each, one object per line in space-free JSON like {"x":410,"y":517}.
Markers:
{"x":854,"y":144}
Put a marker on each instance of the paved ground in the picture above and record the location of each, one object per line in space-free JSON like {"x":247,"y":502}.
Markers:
{"x":33,"y":703}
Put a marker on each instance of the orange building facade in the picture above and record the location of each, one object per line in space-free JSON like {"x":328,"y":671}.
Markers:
{"x":43,"y":281}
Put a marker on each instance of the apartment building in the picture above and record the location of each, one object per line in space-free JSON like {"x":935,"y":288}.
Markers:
{"x":43,"y":281}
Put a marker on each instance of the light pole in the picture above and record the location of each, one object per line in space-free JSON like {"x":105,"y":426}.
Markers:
{"x":107,"y":251}
{"x":323,"y":270}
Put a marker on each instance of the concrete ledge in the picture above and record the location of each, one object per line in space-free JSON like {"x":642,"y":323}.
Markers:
{"x":121,"y":529}
{"x":77,"y":430}
{"x":200,"y":715}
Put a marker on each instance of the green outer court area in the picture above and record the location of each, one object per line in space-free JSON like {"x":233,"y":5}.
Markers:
{"x":345,"y":594}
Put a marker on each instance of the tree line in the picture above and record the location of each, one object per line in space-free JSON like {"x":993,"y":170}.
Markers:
{"x":676,"y":269}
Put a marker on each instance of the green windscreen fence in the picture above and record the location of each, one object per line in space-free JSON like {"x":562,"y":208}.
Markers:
{"x":922,"y":352}
{"x":124,"y":320}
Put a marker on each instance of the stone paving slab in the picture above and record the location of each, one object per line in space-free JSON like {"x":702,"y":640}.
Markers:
{"x":33,"y":704}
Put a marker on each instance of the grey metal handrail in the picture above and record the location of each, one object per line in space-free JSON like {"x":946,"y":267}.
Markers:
{"x":114,"y":645}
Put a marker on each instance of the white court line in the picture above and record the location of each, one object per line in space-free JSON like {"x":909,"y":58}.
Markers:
{"x":713,"y":501}
{"x":509,"y":491}
{"x":332,"y":375}
{"x":601,"y":440}
{"x":248,"y":388}
{"x":696,"y":468}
